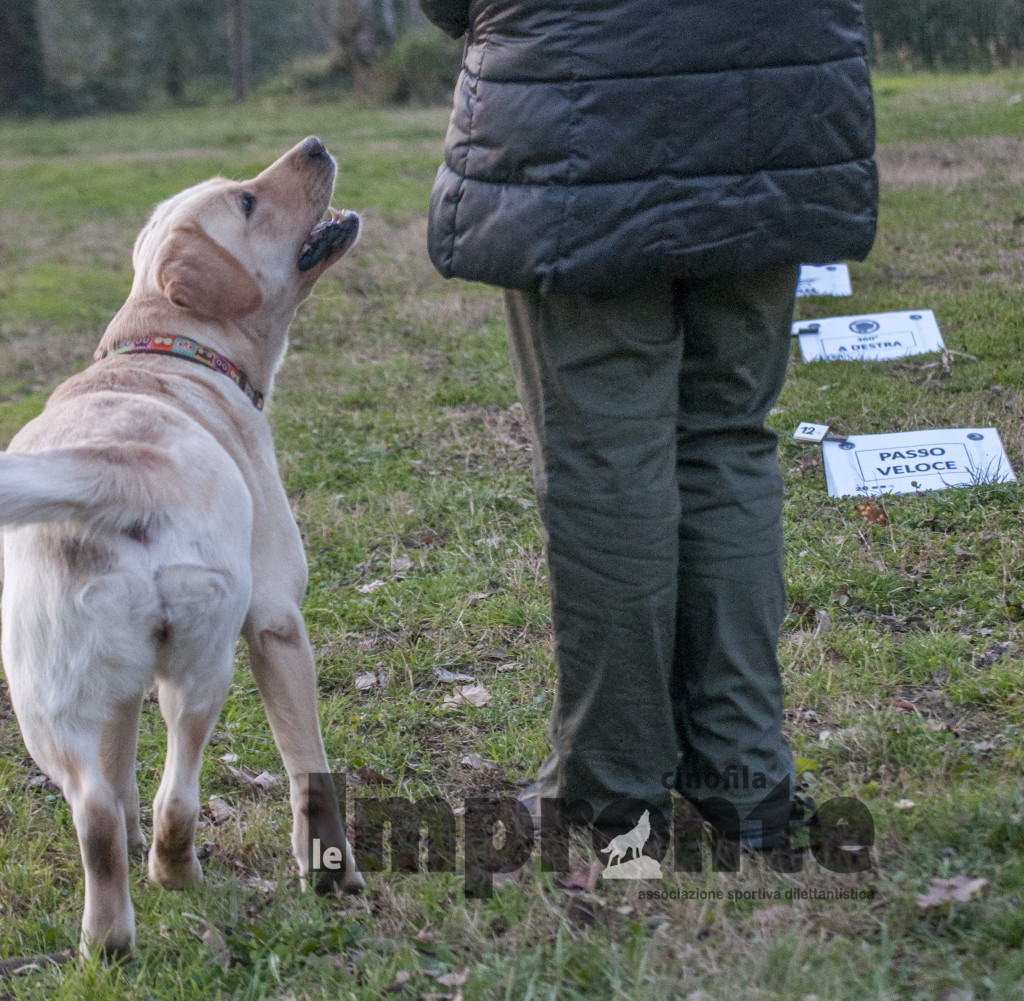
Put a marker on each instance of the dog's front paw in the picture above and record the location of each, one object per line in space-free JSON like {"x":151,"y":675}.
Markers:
{"x":137,"y":844}
{"x":110,"y":951}
{"x":175,"y":875}
{"x":325,"y":882}
{"x":111,"y":935}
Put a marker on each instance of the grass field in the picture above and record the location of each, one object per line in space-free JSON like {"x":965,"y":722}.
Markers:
{"x":404,"y":453}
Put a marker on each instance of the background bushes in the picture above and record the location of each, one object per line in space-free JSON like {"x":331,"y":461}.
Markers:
{"x":946,"y":34}
{"x":74,"y":56}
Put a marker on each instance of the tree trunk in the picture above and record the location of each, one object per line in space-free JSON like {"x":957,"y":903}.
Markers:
{"x":366,"y":33}
{"x":388,"y":25}
{"x":239,"y":48}
{"x":22,"y":76}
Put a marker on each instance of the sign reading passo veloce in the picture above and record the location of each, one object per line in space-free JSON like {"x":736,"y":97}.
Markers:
{"x":873,"y":337}
{"x":913,"y":461}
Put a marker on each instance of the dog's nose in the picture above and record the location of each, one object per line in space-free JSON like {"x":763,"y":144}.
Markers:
{"x":313,"y":148}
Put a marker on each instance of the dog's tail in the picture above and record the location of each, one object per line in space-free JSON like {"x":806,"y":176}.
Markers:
{"x":113,"y":485}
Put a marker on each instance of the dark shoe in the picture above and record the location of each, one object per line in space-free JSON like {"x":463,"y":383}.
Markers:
{"x":803,"y":815}
{"x":553,"y":814}
{"x":783,"y":850}
{"x":554,"y":822}
{"x":529,"y":797}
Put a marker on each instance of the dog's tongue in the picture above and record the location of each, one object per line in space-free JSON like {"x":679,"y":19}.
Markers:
{"x":332,"y":236}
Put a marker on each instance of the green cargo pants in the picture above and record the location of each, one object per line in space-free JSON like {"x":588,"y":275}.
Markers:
{"x":659,"y":489}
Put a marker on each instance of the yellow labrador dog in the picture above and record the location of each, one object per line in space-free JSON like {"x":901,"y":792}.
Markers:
{"x":146,"y":527}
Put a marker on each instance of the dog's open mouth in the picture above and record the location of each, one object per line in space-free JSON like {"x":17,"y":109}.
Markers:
{"x":329,"y":238}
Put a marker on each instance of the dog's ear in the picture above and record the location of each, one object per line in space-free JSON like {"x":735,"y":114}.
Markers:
{"x":197,"y":273}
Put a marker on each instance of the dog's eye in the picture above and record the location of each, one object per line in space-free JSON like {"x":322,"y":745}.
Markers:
{"x":248,"y":203}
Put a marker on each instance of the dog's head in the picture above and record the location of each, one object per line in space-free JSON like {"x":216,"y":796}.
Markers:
{"x":226,"y":250}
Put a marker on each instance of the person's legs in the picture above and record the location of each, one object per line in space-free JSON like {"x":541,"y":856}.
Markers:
{"x":599,"y":381}
{"x":726,"y":687}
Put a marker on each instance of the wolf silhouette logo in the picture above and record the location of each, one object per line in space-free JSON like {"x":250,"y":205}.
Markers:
{"x":632,"y":841}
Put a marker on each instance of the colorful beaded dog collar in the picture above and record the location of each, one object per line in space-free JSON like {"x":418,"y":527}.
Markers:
{"x":184,"y":347}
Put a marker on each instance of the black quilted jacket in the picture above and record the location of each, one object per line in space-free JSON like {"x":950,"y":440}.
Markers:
{"x":598,"y":145}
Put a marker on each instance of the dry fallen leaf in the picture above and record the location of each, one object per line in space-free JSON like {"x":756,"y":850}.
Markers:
{"x":500,"y":879}
{"x":219,"y":812}
{"x":364,"y":681}
{"x":208,"y":849}
{"x":214,"y":941}
{"x":475,"y":761}
{"x":246,"y":776}
{"x":474,"y":695}
{"x":582,"y":879}
{"x":942,"y":891}
{"x":903,"y":704}
{"x":402,"y":977}
{"x":904,"y":804}
{"x":400,"y":564}
{"x":450,"y":677}
{"x":43,"y":782}
{"x":874,"y":513}
{"x":372,"y":777}
{"x":371,"y":587}
{"x":456,"y":978}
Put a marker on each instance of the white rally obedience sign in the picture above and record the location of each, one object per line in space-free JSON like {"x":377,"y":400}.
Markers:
{"x":877,"y":337}
{"x":912,"y":461}
{"x":824,"y":279}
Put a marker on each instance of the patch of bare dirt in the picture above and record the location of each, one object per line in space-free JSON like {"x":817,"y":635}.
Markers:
{"x":36,"y":363}
{"x":978,"y":91}
{"x":807,"y":721}
{"x":147,"y":156}
{"x":950,"y":164}
{"x":491,"y":435}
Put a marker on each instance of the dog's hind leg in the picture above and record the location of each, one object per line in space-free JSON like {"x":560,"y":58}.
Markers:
{"x":190,"y":704}
{"x":119,"y":742}
{"x":69,"y":754}
{"x":61,"y":725}
{"x":282,"y":662}
{"x":108,"y":920}
{"x":285,"y":672}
